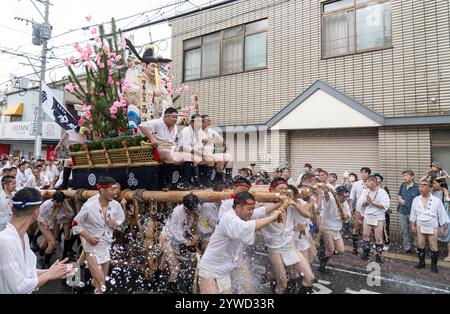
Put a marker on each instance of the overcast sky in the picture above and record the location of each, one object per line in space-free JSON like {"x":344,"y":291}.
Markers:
{"x":66,"y":15}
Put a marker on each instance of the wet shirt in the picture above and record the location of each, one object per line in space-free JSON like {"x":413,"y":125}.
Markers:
{"x":91,"y":220}
{"x":18,"y":274}
{"x":370,"y":211}
{"x":225,"y":207}
{"x":207,"y":219}
{"x":434,"y":215}
{"x":278,"y":235}
{"x":176,"y":227}
{"x":331,"y":219}
{"x":408,"y":194}
{"x":226,"y":245}
{"x":64,"y":214}
{"x":357,"y":189}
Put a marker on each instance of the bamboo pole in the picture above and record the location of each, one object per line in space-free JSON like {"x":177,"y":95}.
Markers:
{"x":176,"y":196}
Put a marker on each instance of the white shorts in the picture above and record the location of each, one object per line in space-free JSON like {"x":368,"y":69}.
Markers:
{"x":302,"y":243}
{"x":288,"y":254}
{"x":429,"y":230}
{"x":223,"y":281}
{"x":372,"y":221}
{"x":101,"y":251}
{"x":334,"y":233}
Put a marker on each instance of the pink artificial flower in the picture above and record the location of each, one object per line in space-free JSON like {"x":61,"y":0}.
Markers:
{"x":97,"y":39}
{"x":72,"y":60}
{"x":110,"y":72}
{"x":89,"y":51}
{"x":88,"y":18}
{"x":110,"y":80}
{"x":78,"y":47}
{"x":109,"y":63}
{"x":70,"y":88}
{"x":119,"y":67}
{"x":84,"y":57}
{"x":94,"y":31}
{"x":81,"y":121}
{"x":118,"y":58}
{"x":127,"y":86}
{"x":101,"y":65}
{"x":90,"y":65}
{"x":66,"y":63}
{"x":117,"y":84}
{"x":113,"y":110}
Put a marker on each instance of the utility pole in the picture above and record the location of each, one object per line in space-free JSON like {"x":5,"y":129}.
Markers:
{"x":38,"y":140}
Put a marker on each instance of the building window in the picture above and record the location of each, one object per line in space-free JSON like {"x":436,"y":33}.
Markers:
{"x":16,"y":118}
{"x":233,"y":50}
{"x":352,"y":26}
{"x":440,"y":147}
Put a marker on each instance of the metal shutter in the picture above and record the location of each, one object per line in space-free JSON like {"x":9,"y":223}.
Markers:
{"x":336,"y":151}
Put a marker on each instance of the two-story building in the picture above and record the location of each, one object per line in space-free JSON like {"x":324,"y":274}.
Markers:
{"x":339,"y":84}
{"x":15,"y":125}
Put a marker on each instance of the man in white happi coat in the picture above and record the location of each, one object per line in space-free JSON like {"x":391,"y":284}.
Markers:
{"x":18,"y":273}
{"x":95,"y":223}
{"x":69,"y":138}
{"x":428,"y":218}
{"x":223,"y":162}
{"x":164,"y":133}
{"x":279,"y":238}
{"x":180,"y":237}
{"x":240,"y":184}
{"x":190,"y":145}
{"x":38,"y":180}
{"x":331,"y":225}
{"x":236,"y":228}
{"x":373,"y":204}
{"x":21,"y":176}
{"x":357,"y":189}
{"x":55,"y":213}
{"x":9,"y":188}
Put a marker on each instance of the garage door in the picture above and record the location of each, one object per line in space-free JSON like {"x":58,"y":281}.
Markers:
{"x":334,"y":150}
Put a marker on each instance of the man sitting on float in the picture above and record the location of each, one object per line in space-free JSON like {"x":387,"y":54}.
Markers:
{"x":191,"y":145}
{"x":222,"y":162}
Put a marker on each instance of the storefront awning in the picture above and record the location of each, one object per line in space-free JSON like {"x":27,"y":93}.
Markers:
{"x":14,"y":110}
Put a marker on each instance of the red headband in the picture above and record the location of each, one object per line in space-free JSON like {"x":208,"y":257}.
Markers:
{"x":242,"y":184}
{"x":100,"y":186}
{"x":251,"y":203}
{"x":278,"y":184}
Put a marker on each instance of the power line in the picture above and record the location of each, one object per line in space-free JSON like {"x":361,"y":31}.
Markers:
{"x":121,"y":19}
{"x":14,"y":29}
{"x":196,"y":12}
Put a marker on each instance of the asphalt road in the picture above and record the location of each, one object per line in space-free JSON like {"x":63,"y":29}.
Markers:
{"x":348,"y":275}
